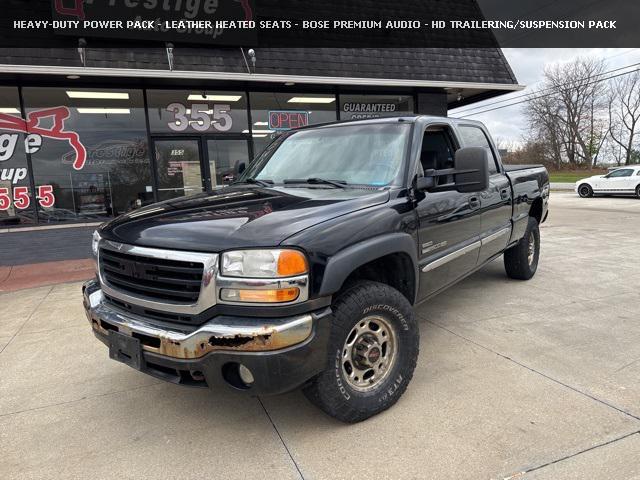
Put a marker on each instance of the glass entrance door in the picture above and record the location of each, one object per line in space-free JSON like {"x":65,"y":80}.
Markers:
{"x":187,"y":166}
{"x":224,"y":158}
{"x":180,"y":169}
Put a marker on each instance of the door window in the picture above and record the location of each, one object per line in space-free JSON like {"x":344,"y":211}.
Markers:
{"x":624,"y":172}
{"x":179,"y":168}
{"x":475,"y":137}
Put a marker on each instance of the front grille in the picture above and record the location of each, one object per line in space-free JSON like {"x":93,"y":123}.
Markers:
{"x":153,"y":278}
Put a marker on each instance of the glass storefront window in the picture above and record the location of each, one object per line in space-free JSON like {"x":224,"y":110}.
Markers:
{"x":356,"y":107}
{"x":196,"y":111}
{"x":274,"y":112}
{"x":16,"y":197}
{"x":225,"y":158}
{"x":94,"y":159}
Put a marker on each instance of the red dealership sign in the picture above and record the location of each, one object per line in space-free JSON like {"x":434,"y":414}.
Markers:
{"x":57,"y":131}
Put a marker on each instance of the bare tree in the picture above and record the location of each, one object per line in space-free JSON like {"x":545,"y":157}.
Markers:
{"x":568,"y":111}
{"x":624,"y":114}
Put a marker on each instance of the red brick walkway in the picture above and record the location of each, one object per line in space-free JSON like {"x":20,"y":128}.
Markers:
{"x":38,"y":274}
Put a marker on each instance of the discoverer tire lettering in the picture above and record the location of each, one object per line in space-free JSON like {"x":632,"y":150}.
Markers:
{"x":331,"y":390}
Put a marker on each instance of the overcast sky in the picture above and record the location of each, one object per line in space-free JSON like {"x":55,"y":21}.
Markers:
{"x":528,"y":64}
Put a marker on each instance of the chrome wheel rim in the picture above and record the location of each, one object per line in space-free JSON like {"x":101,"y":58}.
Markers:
{"x":369,"y":353}
{"x":531,"y":252}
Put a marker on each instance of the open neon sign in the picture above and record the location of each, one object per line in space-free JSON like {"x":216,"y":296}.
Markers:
{"x":288,"y":119}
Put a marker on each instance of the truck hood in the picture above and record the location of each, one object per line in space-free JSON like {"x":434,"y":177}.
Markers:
{"x":236,"y":217}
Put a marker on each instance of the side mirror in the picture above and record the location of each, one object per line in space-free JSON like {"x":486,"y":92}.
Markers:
{"x":471,"y":173}
{"x":473,"y":165}
{"x":242,"y":167}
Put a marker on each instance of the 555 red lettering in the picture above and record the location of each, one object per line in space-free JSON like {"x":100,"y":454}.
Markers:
{"x":22,"y":200}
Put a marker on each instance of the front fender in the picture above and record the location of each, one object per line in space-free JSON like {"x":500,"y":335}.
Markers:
{"x":340,"y":266}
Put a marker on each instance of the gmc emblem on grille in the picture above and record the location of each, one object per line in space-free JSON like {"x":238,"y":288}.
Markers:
{"x":134,"y":269}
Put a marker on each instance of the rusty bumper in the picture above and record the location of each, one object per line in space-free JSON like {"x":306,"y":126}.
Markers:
{"x":293,"y":349}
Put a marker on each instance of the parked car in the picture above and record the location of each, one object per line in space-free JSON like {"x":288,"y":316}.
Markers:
{"x":304,"y":272}
{"x":621,"y":181}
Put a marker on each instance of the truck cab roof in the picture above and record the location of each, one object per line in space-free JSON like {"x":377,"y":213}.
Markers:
{"x":423,"y":119}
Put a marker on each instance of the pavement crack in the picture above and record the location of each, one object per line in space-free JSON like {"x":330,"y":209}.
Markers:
{"x":27,"y":320}
{"x":281,"y":439}
{"x":76,"y":400}
{"x":567,"y":457}
{"x":627,"y":365}
{"x":538,"y":372}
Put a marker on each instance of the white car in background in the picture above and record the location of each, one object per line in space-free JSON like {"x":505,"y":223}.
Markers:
{"x":621,"y":181}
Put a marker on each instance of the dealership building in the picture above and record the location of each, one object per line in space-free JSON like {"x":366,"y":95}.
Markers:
{"x":88,"y":134}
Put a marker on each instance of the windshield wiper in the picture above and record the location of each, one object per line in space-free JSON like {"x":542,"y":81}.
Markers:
{"x":317,"y":181}
{"x":255,"y":181}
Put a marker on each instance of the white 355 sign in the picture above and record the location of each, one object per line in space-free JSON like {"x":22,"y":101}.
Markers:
{"x":200,"y":117}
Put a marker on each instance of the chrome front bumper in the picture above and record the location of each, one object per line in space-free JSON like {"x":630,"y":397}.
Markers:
{"x":231,"y":334}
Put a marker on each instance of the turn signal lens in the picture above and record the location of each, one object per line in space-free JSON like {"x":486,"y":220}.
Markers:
{"x":260,"y":296}
{"x":291,"y":262}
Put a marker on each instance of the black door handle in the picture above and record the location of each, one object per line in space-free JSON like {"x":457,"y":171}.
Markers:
{"x":474,"y":202}
{"x":504,"y":194}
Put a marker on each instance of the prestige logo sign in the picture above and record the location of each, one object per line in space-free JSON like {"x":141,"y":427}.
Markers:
{"x":35,"y":132}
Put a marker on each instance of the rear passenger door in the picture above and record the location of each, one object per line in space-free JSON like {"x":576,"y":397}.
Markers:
{"x":449,"y":222}
{"x":495,"y":201}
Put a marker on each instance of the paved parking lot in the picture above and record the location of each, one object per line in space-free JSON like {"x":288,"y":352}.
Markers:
{"x":537,"y":379}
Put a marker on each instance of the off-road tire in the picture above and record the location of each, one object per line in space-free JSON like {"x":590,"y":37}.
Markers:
{"x":585,"y":190}
{"x":517,"y":261}
{"x":331,"y":390}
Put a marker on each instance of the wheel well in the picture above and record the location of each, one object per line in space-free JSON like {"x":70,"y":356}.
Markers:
{"x":536,"y":209}
{"x":395,"y":270}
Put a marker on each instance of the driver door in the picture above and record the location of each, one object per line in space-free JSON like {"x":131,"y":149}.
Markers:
{"x":617,"y":181}
{"x":449,"y":222}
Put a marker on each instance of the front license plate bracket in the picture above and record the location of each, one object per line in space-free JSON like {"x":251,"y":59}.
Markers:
{"x":125,"y":349}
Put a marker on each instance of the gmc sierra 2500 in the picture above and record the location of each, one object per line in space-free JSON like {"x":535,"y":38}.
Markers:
{"x":303,"y":273}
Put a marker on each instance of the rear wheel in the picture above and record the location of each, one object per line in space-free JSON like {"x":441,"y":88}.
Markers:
{"x":638,"y":191}
{"x":521,"y":260}
{"x":372,"y":351}
{"x":585,"y":190}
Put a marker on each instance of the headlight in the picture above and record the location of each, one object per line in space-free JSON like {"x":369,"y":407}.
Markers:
{"x":264,"y":263}
{"x":95,"y":240}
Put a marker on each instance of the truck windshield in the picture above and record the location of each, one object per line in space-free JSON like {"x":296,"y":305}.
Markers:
{"x":355,"y":154}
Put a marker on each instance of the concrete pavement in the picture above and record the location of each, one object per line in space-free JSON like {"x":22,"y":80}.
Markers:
{"x":535,"y":380}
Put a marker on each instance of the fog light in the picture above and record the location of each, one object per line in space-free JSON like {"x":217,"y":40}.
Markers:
{"x":245,"y":375}
{"x":260,"y":296}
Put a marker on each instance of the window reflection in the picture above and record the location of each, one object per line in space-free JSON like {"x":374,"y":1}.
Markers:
{"x":115,"y":176}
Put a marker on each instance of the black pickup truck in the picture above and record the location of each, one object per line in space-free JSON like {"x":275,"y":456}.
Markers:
{"x":304,"y":272}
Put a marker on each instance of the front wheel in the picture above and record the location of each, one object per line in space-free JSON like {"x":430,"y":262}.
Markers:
{"x":373,"y":350}
{"x":638,"y":191}
{"x":521,"y":260}
{"x":585,"y":191}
